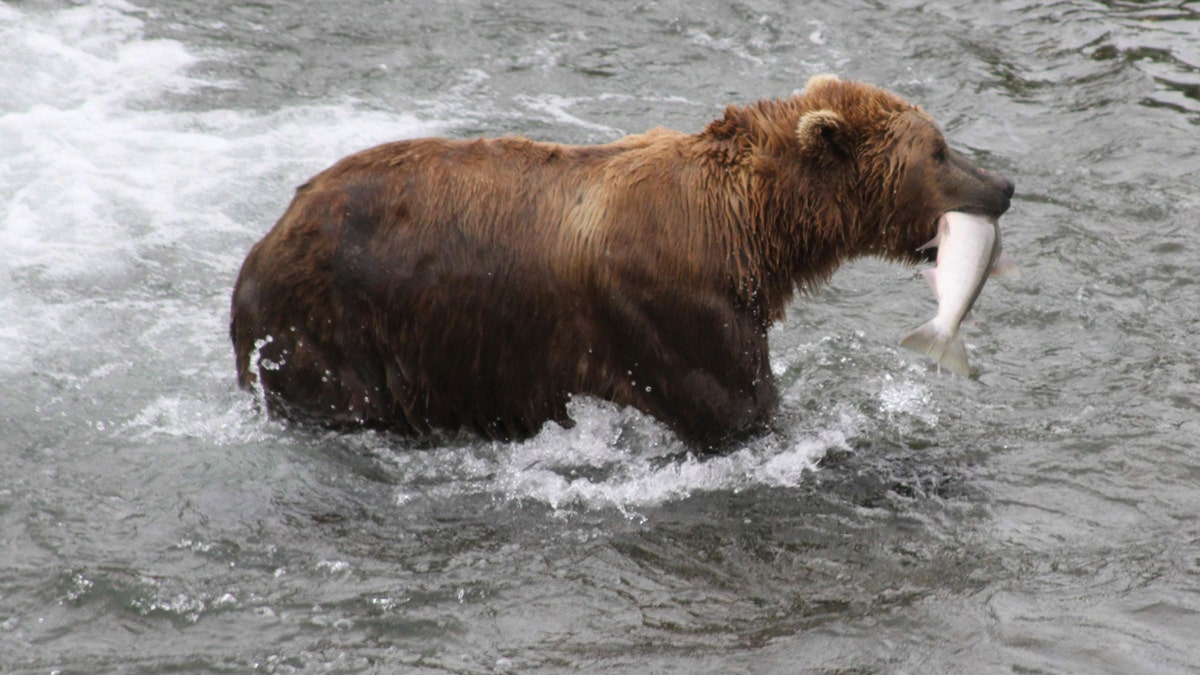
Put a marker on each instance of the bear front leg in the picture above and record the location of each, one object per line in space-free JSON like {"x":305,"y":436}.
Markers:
{"x":693,"y":362}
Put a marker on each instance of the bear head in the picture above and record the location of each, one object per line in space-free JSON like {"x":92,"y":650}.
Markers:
{"x":904,"y":174}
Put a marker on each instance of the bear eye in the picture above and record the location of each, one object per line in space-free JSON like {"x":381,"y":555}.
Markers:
{"x":939,"y":153}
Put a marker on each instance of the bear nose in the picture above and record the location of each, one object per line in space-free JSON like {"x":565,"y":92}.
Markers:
{"x":1009,"y":187}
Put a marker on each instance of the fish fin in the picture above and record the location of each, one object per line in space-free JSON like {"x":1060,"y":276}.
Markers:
{"x":942,"y":226}
{"x":930,"y":275}
{"x":947,"y":350}
{"x":1005,"y":267}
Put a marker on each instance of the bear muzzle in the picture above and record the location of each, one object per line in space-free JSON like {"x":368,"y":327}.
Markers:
{"x":975,"y":190}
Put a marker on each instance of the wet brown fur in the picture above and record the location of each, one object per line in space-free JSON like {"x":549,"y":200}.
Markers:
{"x":479,"y":284}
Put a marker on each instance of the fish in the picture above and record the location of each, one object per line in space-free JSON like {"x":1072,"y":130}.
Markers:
{"x":969,"y":251}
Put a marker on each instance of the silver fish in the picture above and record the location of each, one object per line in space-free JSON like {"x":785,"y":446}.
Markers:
{"x":968,"y":251}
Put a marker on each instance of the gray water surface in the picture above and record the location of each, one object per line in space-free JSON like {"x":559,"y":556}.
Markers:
{"x":1043,"y":517}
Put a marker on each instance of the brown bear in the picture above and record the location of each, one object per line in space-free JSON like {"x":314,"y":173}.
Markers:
{"x":480,"y":284}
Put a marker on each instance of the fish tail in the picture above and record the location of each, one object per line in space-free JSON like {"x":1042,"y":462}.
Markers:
{"x":947,"y":349}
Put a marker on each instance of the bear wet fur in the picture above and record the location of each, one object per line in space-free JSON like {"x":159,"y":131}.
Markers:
{"x":480,"y":284}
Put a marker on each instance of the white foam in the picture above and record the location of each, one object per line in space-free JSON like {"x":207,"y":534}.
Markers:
{"x":105,"y":192}
{"x":90,"y":55}
{"x":79,"y":155}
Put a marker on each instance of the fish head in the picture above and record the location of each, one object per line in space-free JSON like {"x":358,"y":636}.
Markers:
{"x":927,"y":179}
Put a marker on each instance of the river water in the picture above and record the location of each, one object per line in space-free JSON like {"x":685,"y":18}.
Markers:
{"x":1043,"y":517}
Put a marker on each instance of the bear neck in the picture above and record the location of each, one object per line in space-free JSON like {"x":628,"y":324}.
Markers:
{"x":795,"y":226}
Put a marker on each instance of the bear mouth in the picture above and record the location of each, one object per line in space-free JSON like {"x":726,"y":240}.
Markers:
{"x":927,"y":251}
{"x":928,"y":255}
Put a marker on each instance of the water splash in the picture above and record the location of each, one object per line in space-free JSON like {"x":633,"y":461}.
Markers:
{"x":907,"y":398}
{"x":220,"y":423}
{"x":612,"y":459}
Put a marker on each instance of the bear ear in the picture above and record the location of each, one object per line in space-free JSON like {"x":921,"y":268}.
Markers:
{"x":820,"y":129}
{"x":817,"y":81}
